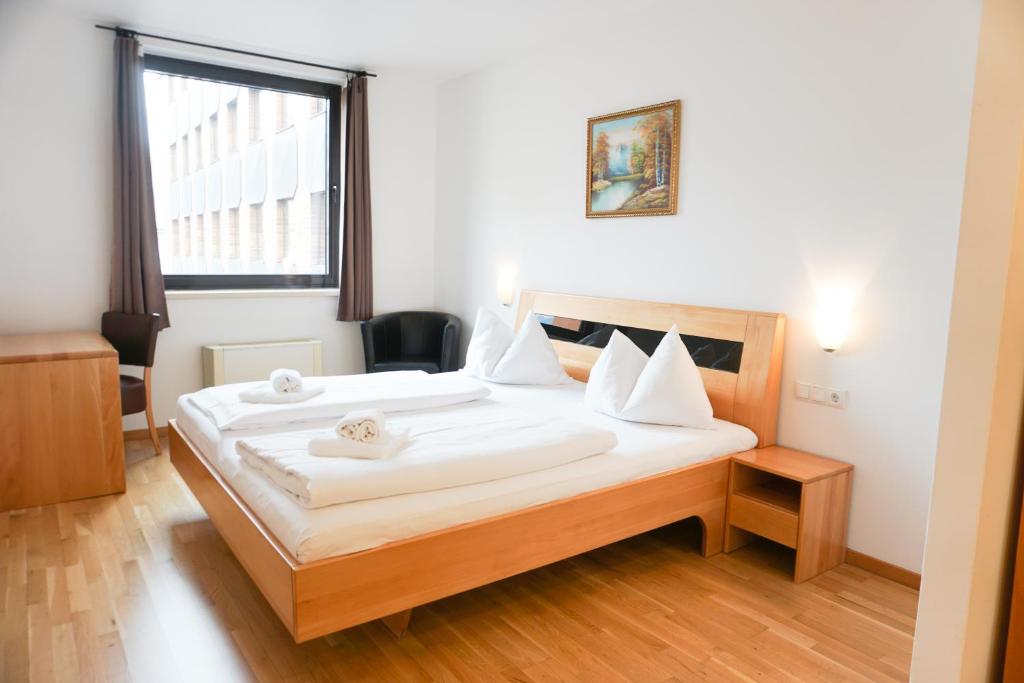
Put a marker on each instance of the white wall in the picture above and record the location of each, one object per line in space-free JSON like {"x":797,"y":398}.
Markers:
{"x":823,"y":144}
{"x":56,"y":207}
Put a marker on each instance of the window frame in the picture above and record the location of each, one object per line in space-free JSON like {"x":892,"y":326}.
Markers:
{"x":173,"y":66}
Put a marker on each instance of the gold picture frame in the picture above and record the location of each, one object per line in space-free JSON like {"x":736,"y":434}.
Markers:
{"x":633,"y":162}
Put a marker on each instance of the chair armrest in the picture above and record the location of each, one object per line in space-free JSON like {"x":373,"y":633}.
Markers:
{"x":450,"y":345}
{"x":374,"y":341}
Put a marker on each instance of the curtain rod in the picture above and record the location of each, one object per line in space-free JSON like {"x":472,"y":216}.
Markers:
{"x":129,"y":32}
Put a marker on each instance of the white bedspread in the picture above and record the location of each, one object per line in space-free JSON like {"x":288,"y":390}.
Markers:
{"x":387,"y":391}
{"x":482,"y":441}
{"x":312,"y":535}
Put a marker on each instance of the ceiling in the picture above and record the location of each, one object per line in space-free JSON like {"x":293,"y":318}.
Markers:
{"x":439,"y":38}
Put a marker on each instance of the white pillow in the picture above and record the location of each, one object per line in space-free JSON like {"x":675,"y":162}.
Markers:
{"x":666,"y":390}
{"x":491,"y":338}
{"x":496,"y":355}
{"x":614,"y":375}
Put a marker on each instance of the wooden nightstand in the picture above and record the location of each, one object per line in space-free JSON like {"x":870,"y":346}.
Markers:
{"x":793,"y":498}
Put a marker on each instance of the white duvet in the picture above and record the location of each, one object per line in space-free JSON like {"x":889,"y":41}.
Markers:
{"x":387,"y":391}
{"x":482,"y":441}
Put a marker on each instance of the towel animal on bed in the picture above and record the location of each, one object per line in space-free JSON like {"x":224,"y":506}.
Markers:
{"x":285,"y":386}
{"x":360,"y":434}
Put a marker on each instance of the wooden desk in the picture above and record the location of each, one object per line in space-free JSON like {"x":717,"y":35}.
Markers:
{"x":60,"y":419}
{"x":794,"y":498}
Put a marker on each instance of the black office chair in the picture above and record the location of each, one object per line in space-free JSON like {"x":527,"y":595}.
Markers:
{"x":411,"y":340}
{"x":134,"y":337}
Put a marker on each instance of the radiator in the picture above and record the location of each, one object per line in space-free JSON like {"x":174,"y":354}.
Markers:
{"x":229,"y":363}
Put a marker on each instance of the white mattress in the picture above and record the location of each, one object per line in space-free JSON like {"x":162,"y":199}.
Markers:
{"x":312,"y":535}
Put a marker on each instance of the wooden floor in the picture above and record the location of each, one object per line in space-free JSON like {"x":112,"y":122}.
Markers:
{"x":140,"y":587}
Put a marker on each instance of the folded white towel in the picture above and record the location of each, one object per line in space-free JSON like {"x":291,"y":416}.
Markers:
{"x":341,"y":447}
{"x":266,"y":394}
{"x":361,"y":425}
{"x":286,"y":381}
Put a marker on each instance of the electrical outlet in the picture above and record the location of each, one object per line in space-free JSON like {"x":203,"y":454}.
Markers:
{"x":837,"y":398}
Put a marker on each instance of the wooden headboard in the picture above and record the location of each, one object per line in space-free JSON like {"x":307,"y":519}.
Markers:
{"x":749,"y":397}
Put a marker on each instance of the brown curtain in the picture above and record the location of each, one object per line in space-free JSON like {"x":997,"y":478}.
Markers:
{"x":136,"y":283}
{"x":356,"y":302}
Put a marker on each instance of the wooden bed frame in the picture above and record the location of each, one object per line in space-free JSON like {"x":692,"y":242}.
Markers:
{"x":386,"y":582}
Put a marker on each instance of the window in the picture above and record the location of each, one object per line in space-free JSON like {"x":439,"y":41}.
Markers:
{"x":215,"y":233}
{"x":249,"y":208}
{"x":199,"y":234}
{"x":185,"y":237}
{"x":255,"y":119}
{"x":317,"y":218}
{"x":256,"y":235}
{"x":281,"y":119}
{"x":234,"y":239}
{"x":196,"y":137}
{"x":232,"y":132}
{"x":283,"y":230}
{"x":214,"y":138}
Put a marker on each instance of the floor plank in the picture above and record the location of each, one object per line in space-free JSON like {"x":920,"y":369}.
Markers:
{"x":140,"y":587}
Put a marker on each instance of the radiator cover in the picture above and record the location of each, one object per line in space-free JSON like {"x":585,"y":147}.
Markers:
{"x":230,"y":363}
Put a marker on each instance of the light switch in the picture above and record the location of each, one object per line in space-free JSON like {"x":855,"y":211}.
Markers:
{"x":818,"y":394}
{"x":803,"y":390}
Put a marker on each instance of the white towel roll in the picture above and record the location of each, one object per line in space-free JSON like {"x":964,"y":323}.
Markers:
{"x":366,"y":426}
{"x":367,"y":431}
{"x":286,"y":381}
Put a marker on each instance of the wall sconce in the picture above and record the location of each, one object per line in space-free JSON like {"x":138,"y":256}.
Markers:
{"x":506,"y":286}
{"x":835,"y":308}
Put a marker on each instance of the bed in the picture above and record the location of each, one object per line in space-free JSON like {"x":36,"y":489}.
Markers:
{"x":331,"y":568}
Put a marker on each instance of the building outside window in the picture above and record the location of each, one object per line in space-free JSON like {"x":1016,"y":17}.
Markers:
{"x":215,"y":239}
{"x":232,"y":126}
{"x":234,"y":236}
{"x":318,"y":219}
{"x":185,"y":239}
{"x":256,"y":213}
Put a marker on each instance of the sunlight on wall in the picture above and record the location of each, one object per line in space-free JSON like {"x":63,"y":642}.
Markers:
{"x":841,"y":265}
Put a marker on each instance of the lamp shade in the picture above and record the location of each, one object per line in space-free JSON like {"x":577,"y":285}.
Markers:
{"x":507,"y":286}
{"x":833,"y":319}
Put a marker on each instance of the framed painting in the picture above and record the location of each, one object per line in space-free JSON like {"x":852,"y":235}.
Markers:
{"x":633,"y":162}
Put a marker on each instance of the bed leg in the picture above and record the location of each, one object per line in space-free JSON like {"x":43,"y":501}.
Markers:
{"x":398,"y":623}
{"x":714,"y":533}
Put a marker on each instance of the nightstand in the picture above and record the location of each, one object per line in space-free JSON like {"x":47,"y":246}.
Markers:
{"x":794,"y":498}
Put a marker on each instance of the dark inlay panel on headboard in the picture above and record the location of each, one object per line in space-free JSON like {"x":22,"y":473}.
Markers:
{"x":720,"y":354}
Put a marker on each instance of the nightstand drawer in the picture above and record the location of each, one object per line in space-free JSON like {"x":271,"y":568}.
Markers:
{"x":763,"y":519}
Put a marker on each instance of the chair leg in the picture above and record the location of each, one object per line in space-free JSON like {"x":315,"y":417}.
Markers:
{"x":149,"y":412}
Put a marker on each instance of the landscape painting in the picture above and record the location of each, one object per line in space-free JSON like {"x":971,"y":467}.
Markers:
{"x":632,"y":162}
